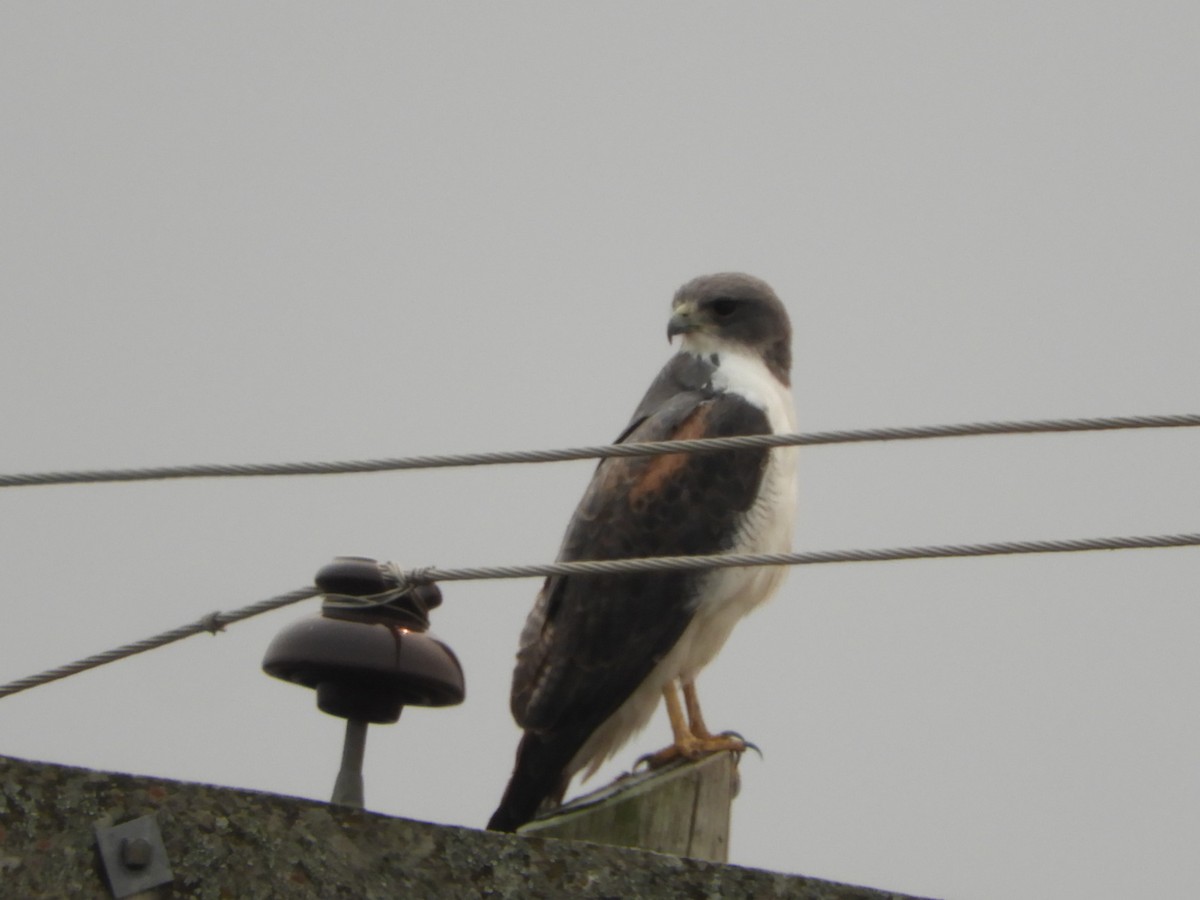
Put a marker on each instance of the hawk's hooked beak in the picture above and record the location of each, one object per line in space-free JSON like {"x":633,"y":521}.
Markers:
{"x":682,"y":322}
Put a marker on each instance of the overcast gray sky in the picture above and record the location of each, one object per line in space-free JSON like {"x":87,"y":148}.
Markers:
{"x":250,"y":232}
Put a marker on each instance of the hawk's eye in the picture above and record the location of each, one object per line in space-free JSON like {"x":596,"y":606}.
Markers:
{"x":724,"y":307}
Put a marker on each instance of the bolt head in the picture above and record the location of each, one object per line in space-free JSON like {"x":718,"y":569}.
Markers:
{"x":136,"y":853}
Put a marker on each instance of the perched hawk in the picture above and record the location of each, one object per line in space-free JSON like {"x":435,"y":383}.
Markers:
{"x":599,"y":650}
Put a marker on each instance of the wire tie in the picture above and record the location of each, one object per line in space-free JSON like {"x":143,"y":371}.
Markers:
{"x":408,"y":579}
{"x":414,"y":578}
{"x":212,"y":623}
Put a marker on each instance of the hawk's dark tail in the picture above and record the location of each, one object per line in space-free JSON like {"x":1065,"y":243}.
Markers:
{"x":540,"y":775}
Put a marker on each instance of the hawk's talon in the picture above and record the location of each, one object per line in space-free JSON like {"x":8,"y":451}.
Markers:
{"x":694,"y":748}
{"x":746,"y":745}
{"x":659,"y":758}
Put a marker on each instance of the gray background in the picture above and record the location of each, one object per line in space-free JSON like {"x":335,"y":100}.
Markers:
{"x":262,"y":232}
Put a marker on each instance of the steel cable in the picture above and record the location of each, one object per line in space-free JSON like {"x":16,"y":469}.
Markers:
{"x":217,"y":621}
{"x":704,"y":445}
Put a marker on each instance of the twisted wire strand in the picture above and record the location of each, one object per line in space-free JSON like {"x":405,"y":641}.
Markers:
{"x":648,"y":448}
{"x":428,"y":574}
{"x":212,"y":623}
{"x":734,"y":560}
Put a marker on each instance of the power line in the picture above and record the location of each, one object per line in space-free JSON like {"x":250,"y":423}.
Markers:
{"x":411,"y":577}
{"x":655,"y":448}
{"x":734,"y":560}
{"x":212,"y":623}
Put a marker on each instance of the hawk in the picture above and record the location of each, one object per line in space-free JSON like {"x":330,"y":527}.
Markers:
{"x":597,"y":651}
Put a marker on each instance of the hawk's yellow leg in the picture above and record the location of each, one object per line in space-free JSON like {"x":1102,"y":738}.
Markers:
{"x":692,"y":737}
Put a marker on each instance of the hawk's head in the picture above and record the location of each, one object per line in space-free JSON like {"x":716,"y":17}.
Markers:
{"x":732,"y":311}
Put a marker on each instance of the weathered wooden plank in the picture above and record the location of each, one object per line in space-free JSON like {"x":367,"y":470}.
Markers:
{"x":682,"y":809}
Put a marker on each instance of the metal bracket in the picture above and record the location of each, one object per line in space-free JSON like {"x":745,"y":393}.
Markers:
{"x":134,"y":856}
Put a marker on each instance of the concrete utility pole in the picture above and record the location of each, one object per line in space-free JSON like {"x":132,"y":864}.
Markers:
{"x":220,"y":842}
